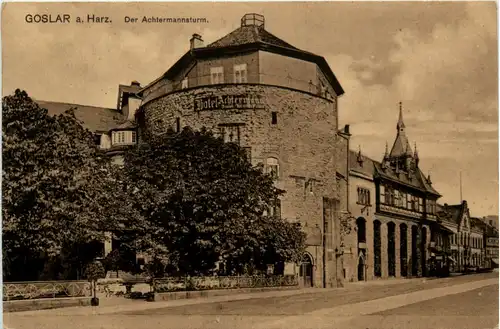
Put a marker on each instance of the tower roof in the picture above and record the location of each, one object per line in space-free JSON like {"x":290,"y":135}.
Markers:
{"x":250,"y":36}
{"x":401,"y":124}
{"x":401,"y":144}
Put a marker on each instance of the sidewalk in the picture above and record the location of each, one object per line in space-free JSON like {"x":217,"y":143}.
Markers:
{"x":119,"y":304}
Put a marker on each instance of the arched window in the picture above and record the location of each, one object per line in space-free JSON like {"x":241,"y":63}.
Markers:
{"x":272,"y":167}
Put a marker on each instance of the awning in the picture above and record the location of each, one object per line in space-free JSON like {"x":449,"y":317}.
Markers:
{"x":452,"y":259}
{"x":495,"y":260}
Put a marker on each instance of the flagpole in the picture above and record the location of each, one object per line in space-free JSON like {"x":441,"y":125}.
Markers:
{"x":461,"y":199}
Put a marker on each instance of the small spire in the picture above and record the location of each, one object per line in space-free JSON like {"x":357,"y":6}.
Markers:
{"x":429,"y":178}
{"x":401,"y":124}
{"x":416,"y":152}
{"x":386,"y":149}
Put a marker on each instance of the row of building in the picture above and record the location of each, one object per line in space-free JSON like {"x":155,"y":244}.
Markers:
{"x":363,"y":218}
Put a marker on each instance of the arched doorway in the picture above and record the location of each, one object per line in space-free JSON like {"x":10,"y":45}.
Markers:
{"x":306,"y":270}
{"x":361,"y":266}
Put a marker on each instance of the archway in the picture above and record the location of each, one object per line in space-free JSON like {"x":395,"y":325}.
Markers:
{"x":414,"y":250}
{"x":361,"y":266}
{"x":391,"y":248}
{"x":403,"y":249}
{"x":306,"y":270}
{"x":423,"y":251}
{"x":377,"y":249}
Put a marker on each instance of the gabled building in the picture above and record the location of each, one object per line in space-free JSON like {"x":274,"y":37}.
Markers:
{"x":467,"y":240}
{"x":114,"y":129}
{"x":394,"y":207}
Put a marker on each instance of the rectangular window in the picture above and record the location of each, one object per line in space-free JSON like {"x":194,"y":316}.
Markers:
{"x":272,"y":166}
{"x":382,"y":194}
{"x":185,"y":82}
{"x":274,"y":118}
{"x":230,"y":133}
{"x":276,"y":209}
{"x":420,"y":204}
{"x":134,"y":137}
{"x":240,"y":73}
{"x":217,"y":75}
{"x":178,"y":124}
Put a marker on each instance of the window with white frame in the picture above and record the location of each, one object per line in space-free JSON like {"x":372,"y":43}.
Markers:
{"x":124,"y":137}
{"x":272,"y":167}
{"x":184,"y":83}
{"x":217,"y":75}
{"x":240,"y":73}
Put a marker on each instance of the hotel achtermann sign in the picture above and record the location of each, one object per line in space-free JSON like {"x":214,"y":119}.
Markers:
{"x":228,"y":102}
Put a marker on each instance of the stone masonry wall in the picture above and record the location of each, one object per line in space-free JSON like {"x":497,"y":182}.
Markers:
{"x":304,"y":140}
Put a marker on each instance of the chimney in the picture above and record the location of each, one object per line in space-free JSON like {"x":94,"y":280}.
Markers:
{"x":196,"y":41}
{"x":135,"y":83}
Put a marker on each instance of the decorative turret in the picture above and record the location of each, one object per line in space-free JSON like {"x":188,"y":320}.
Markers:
{"x":401,"y":145}
{"x":401,"y":125}
{"x":429,"y":179}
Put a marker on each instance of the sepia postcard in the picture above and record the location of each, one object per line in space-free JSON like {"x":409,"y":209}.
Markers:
{"x":250,"y":165}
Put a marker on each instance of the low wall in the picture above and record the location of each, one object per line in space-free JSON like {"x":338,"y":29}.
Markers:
{"x":43,"y":304}
{"x":165,"y":296}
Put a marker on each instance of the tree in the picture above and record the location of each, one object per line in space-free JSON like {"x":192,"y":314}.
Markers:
{"x":119,"y":260}
{"x":59,"y":190}
{"x":204,"y":202}
{"x":93,"y":272}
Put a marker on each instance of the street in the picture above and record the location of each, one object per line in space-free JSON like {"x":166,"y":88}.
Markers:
{"x":468,"y":302}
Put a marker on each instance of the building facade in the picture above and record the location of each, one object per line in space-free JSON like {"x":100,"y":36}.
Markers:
{"x":491,"y":246}
{"x":280,"y":104}
{"x":394,"y":209}
{"x":467,"y":238}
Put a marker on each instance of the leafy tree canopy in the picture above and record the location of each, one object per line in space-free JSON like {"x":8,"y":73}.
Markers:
{"x":58,"y":188}
{"x":204,"y":202}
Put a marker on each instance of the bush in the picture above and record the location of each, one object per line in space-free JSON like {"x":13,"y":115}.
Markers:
{"x":95,"y":271}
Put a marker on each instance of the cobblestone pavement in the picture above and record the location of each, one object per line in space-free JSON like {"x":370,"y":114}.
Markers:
{"x":412,"y":304}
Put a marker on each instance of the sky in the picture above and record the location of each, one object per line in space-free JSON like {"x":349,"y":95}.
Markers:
{"x":440,"y":59}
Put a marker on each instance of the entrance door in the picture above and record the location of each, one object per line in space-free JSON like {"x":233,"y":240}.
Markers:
{"x":306,"y":271}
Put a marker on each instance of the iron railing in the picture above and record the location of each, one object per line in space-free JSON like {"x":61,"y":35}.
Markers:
{"x":46,"y":289}
{"x":172,"y":284}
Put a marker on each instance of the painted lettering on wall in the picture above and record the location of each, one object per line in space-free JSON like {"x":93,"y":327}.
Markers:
{"x":226,"y":102}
